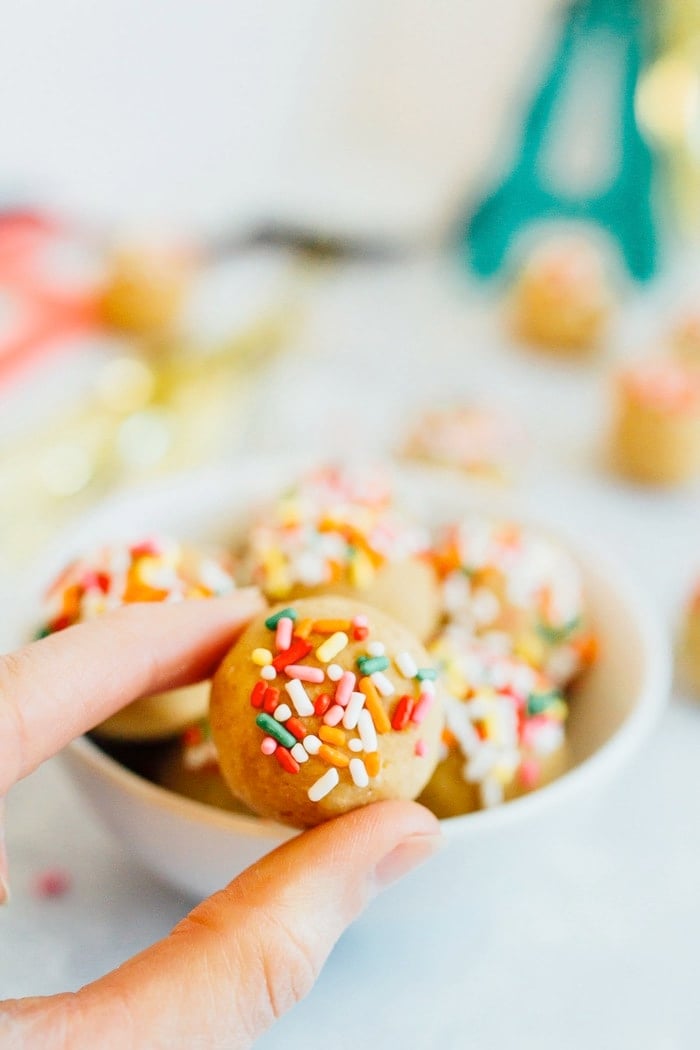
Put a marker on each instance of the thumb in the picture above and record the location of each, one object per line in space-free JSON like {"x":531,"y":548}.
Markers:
{"x":246,"y":955}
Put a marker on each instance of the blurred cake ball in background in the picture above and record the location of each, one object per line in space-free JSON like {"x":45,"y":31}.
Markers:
{"x":690,"y":642}
{"x":477,"y":440}
{"x":189,"y":766}
{"x":337,"y":531}
{"x":517,"y":591}
{"x":505,"y":728}
{"x":656,"y":431}
{"x":145,"y":288}
{"x":562,"y":300}
{"x":153,"y":569}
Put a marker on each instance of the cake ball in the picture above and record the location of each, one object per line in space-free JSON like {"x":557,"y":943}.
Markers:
{"x":189,"y":766}
{"x":505,"y":729}
{"x":154,"y":569}
{"x":690,"y":653}
{"x":145,"y":289}
{"x":323,"y":706}
{"x":656,"y":432}
{"x":475,"y":440}
{"x":516,"y":590}
{"x":337,"y":532}
{"x":561,"y":300}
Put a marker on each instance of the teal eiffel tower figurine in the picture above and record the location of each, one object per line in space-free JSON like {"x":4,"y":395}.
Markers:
{"x":623,"y":207}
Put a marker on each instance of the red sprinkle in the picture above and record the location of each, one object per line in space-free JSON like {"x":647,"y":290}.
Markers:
{"x":193,"y":735}
{"x":402,"y":714}
{"x":296,"y":728}
{"x":256,"y":696}
{"x":360,"y":633}
{"x":287,"y":760}
{"x":294,"y":655}
{"x":321,"y":704}
{"x":145,"y":548}
{"x":60,"y":623}
{"x":52,"y":883}
{"x":271,"y":699}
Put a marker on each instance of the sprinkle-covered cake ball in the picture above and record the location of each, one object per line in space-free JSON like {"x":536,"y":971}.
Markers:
{"x":656,"y":434}
{"x":517,"y":591}
{"x":561,"y":299}
{"x":336,"y":532}
{"x":323,"y":706}
{"x":505,"y":729}
{"x":479,"y":441}
{"x":691,"y":642}
{"x":155,"y":569}
{"x":189,"y":766}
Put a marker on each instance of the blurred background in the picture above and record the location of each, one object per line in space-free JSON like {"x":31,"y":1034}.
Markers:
{"x":313,"y":191}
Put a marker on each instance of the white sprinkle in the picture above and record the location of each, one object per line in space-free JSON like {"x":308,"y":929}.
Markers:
{"x":358,"y":772}
{"x":324,"y":785}
{"x":311,"y":744}
{"x":406,"y":665}
{"x":299,"y":752}
{"x":299,"y":697}
{"x":428,"y":686}
{"x":268,"y":673}
{"x":368,"y":734}
{"x":376,"y":648}
{"x":352,"y":711}
{"x":383,"y":685}
{"x":491,"y":793}
{"x":334,"y":672}
{"x":283,"y":712}
{"x":355,"y":744}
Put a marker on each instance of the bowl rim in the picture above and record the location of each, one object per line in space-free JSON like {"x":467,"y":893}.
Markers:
{"x":599,"y":767}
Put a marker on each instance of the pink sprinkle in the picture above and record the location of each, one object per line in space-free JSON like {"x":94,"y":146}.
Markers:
{"x":360,"y":620}
{"x":147,"y":547}
{"x":283,"y":635}
{"x":345,"y":688}
{"x":305,"y":674}
{"x":52,"y":883}
{"x":333,"y":715}
{"x":425,"y":702}
{"x":268,"y":746}
{"x":529,"y":772}
{"x":421,"y":748}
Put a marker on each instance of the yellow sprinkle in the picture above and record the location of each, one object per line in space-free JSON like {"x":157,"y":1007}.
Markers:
{"x":261,"y":657}
{"x":530,"y":648}
{"x":361,"y":571}
{"x":331,"y":735}
{"x":332,"y":646}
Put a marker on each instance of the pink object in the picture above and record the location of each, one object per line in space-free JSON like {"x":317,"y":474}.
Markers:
{"x":283,"y":635}
{"x":529,"y":772}
{"x":425,"y":702}
{"x":345,"y":688}
{"x":268,"y":746}
{"x":52,"y":883}
{"x":305,"y":674}
{"x":360,"y":620}
{"x":333,"y":716}
{"x":421,"y":748}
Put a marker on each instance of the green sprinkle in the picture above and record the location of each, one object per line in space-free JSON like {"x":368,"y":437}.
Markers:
{"x":369,"y":664}
{"x":426,"y":674}
{"x":276,"y":730}
{"x":272,"y":621}
{"x":539,"y":702}
{"x":43,"y":632}
{"x":554,"y":635}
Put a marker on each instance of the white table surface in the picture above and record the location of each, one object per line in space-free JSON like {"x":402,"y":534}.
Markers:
{"x":600,"y":947}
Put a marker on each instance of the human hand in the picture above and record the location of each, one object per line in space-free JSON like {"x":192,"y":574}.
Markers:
{"x":244,"y":956}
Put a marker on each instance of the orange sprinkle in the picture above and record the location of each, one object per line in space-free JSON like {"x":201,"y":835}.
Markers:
{"x":331,"y":735}
{"x":332,"y":757}
{"x":375,"y":706}
{"x":304,"y":628}
{"x":373,"y":763}
{"x":587,"y":648}
{"x":330,"y":626}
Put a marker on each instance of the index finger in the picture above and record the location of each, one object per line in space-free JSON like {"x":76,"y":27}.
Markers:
{"x":53,"y":690}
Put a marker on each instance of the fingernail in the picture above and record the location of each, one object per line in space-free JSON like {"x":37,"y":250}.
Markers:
{"x":405,"y":857}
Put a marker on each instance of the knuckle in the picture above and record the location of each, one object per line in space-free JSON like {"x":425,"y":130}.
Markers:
{"x":288,"y":966}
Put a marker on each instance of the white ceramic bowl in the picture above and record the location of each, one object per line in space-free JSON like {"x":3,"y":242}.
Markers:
{"x":198,"y":848}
